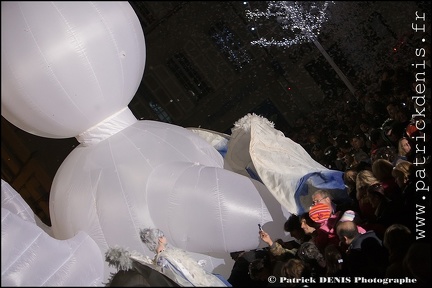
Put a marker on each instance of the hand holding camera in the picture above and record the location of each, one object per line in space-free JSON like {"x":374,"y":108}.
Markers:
{"x":265,"y":236}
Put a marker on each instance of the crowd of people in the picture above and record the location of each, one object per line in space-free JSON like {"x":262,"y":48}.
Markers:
{"x":373,"y":139}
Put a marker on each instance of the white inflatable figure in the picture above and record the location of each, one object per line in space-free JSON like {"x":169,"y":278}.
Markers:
{"x":31,"y":257}
{"x":69,"y":69}
{"x":277,"y":160}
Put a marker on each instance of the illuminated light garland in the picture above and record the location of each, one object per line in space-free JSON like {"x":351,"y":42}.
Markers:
{"x":303,"y":18}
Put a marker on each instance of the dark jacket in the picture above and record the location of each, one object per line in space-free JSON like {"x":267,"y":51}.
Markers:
{"x":366,"y":256}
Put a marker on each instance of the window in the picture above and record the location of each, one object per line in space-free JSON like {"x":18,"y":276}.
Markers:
{"x":230,"y":45}
{"x":160,"y":112}
{"x":188,"y":76}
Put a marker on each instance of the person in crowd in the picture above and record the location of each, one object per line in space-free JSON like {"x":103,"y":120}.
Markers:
{"x":275,"y":248}
{"x":364,"y":179}
{"x":409,"y":190}
{"x":259,"y":271}
{"x":293,"y":226}
{"x":324,"y":234}
{"x":366,"y":128}
{"x":377,"y":141}
{"x":261,"y":268}
{"x":417,"y":263}
{"x":403,"y":149}
{"x":365,"y":256}
{"x":351,"y":215}
{"x":334,"y":262}
{"x":387,"y":153}
{"x":387,"y":211}
{"x":322,"y":196}
{"x":349,"y":178}
{"x":186,"y":269}
{"x":382,"y":170}
{"x":359,"y":149}
{"x":311,"y":255}
{"x":308,"y":226}
{"x":317,"y":153}
{"x":376,"y":111}
{"x":239,"y":276}
{"x":397,"y":240}
{"x":348,"y":215}
{"x":392,"y":109}
{"x":401,"y":173}
{"x":294,"y":269}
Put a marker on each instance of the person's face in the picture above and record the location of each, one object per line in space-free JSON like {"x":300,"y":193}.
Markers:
{"x":306,"y":228}
{"x":297,"y":233}
{"x":406,"y":147}
{"x":319,"y":198}
{"x":357,"y":143}
{"x":162,"y":242}
{"x":350,"y":175}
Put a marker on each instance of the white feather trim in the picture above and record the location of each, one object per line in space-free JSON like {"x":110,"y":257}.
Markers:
{"x":245,"y":122}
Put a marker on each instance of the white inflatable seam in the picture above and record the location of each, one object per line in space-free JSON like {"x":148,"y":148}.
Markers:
{"x":108,"y":127}
{"x":65,"y":261}
{"x":4,"y":272}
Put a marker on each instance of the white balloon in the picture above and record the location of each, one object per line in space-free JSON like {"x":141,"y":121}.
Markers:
{"x":31,"y":257}
{"x":66,"y":66}
{"x":153,"y":174}
{"x":70,"y":69}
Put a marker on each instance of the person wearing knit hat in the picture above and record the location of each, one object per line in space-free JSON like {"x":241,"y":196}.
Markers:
{"x":350,"y":215}
{"x":320,"y":212}
{"x":323,"y":235}
{"x":186,"y":270}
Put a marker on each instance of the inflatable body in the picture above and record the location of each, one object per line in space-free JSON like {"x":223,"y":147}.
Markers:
{"x":69,"y":69}
{"x":37,"y":259}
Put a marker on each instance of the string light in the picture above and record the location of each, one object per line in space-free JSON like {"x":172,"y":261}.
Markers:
{"x":303,"y":18}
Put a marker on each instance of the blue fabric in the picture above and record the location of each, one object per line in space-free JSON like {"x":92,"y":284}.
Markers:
{"x":328,"y":180}
{"x":223,"y":279}
{"x":223,"y":150}
{"x":253,"y":174}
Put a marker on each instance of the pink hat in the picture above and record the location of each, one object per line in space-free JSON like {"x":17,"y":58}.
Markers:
{"x":348,"y":215}
{"x":320,"y":212}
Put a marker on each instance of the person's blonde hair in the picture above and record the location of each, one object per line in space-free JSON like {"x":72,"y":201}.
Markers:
{"x":402,"y":170}
{"x":293,"y":269}
{"x":349,"y":178}
{"x":401,"y":151}
{"x":364,"y":179}
{"x":382,"y":169}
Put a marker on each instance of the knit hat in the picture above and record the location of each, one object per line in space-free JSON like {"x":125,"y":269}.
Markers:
{"x":348,"y":215}
{"x":320,"y":212}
